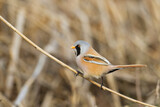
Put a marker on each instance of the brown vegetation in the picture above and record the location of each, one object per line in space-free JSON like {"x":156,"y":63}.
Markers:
{"x":123,"y":31}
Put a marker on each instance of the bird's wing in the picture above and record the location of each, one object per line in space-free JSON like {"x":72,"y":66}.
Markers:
{"x":96,"y":59}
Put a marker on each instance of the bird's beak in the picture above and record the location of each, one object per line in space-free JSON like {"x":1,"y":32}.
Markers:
{"x":73,"y":47}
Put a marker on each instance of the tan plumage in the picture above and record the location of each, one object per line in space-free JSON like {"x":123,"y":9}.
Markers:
{"x":93,"y":64}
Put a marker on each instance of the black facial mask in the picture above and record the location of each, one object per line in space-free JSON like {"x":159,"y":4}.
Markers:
{"x":78,"y":50}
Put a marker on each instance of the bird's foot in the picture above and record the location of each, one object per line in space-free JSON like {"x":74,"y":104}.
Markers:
{"x":101,"y":86}
{"x":102,"y":83}
{"x":78,"y":73}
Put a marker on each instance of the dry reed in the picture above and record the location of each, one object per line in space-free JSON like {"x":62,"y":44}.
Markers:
{"x":124,"y":32}
{"x":30,"y":80}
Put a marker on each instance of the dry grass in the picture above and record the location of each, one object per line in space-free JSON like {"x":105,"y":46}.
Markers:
{"x":124,"y":32}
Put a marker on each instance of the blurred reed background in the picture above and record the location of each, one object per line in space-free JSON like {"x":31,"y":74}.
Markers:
{"x":123,"y":31}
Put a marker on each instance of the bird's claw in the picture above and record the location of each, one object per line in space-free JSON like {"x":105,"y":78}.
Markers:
{"x":101,"y":83}
{"x":101,"y":86}
{"x":79,"y":73}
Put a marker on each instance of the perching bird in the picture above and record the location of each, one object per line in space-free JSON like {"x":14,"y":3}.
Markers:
{"x":93,"y":64}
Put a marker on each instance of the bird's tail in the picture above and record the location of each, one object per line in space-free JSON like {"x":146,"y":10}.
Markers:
{"x":118,"y":67}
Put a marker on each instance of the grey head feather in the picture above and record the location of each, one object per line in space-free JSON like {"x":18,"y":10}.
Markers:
{"x":84,"y":46}
{"x":81,"y":43}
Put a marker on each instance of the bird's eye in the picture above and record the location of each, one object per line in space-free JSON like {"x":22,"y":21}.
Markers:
{"x":78,"y":46}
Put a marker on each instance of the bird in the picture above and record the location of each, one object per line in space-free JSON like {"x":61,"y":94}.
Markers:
{"x":93,"y":64}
